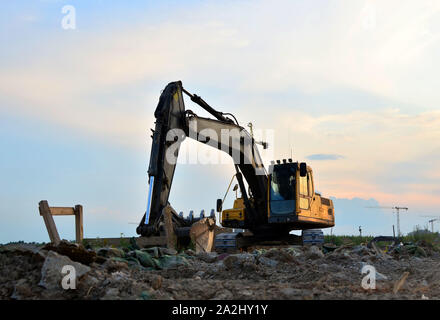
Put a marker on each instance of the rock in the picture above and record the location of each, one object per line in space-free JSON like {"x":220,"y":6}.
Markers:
{"x":415,"y":259}
{"x":89,"y":281}
{"x":308,"y":296}
{"x":111,"y":253}
{"x":340,"y":276}
{"x":249,"y":267}
{"x":239,"y":261}
{"x":156,"y":282}
{"x":172,"y":261}
{"x":420,"y":252}
{"x":329,"y":247}
{"x":190,"y":252}
{"x":245,"y":293}
{"x":280,"y":255}
{"x":51,"y":275}
{"x":100,"y":259}
{"x":380,"y":276}
{"x":76,"y":252}
{"x":118,"y":275}
{"x":167,"y":251}
{"x":360,"y":250}
{"x":291,"y":293}
{"x":115,"y":264}
{"x":144,"y":258}
{"x":223,"y":295}
{"x":145,"y":295}
{"x":259,"y":252}
{"x":314,"y":253}
{"x":267,"y":262}
{"x":111,"y":294}
{"x":19,"y":251}
{"x":208,"y":257}
{"x":294,"y":251}
{"x":133,"y":262}
{"x":222,"y":256}
{"x":153,"y":252}
{"x":22,"y":290}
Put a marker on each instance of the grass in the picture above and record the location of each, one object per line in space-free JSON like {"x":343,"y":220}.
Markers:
{"x":419,"y":235}
{"x":344,"y":239}
{"x":424,"y":235}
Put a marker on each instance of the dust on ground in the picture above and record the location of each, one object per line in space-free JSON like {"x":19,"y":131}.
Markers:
{"x":29,"y":271}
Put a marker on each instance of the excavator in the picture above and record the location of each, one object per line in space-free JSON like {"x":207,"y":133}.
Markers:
{"x":275,"y":202}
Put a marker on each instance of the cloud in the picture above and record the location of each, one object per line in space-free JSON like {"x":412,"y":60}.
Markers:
{"x":68,"y":76}
{"x":281,"y":69}
{"x":321,"y":156}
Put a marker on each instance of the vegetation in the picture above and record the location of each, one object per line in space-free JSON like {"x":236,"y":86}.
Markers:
{"x":424,"y":235}
{"x":345,"y":239}
{"x":417,"y":236}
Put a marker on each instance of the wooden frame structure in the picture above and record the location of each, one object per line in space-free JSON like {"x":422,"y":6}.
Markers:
{"x":47,"y":212}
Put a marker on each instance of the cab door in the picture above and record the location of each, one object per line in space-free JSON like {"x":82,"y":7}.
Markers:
{"x":305,"y":193}
{"x":315,"y":200}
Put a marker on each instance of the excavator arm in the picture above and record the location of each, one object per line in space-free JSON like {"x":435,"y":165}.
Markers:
{"x":173,"y":124}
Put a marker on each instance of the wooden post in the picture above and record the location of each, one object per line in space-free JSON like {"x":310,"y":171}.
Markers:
{"x":49,"y":222}
{"x":79,"y":223}
{"x":47,"y":212}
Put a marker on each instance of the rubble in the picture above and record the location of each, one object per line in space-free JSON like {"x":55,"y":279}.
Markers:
{"x":51,"y":272}
{"x":74,"y":251}
{"x":208,"y":257}
{"x":403,"y":271}
{"x":240,"y":261}
{"x":111,"y":252}
{"x":314,"y":253}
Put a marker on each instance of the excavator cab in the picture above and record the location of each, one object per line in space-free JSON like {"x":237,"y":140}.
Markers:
{"x":292,"y":198}
{"x":292,"y":202}
{"x":282,"y":192}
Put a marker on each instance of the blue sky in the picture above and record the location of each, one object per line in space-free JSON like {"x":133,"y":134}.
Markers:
{"x":351,"y":86}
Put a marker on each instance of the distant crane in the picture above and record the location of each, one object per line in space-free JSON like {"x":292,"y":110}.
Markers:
{"x":432,"y":221}
{"x":432,"y":224}
{"x":397,"y":208}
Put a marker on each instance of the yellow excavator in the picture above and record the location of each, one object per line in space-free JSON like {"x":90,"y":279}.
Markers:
{"x":274,"y":203}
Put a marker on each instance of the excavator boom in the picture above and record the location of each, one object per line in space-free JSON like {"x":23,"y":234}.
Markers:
{"x":173,"y":124}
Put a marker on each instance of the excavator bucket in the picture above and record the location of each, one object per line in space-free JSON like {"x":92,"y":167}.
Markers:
{"x":202,"y":234}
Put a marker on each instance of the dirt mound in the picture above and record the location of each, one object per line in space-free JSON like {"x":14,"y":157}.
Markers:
{"x":32,"y":272}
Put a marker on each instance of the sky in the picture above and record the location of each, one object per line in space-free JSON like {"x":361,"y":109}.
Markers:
{"x":350,"y":87}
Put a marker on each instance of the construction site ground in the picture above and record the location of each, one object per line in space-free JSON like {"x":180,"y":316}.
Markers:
{"x":29,"y":271}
